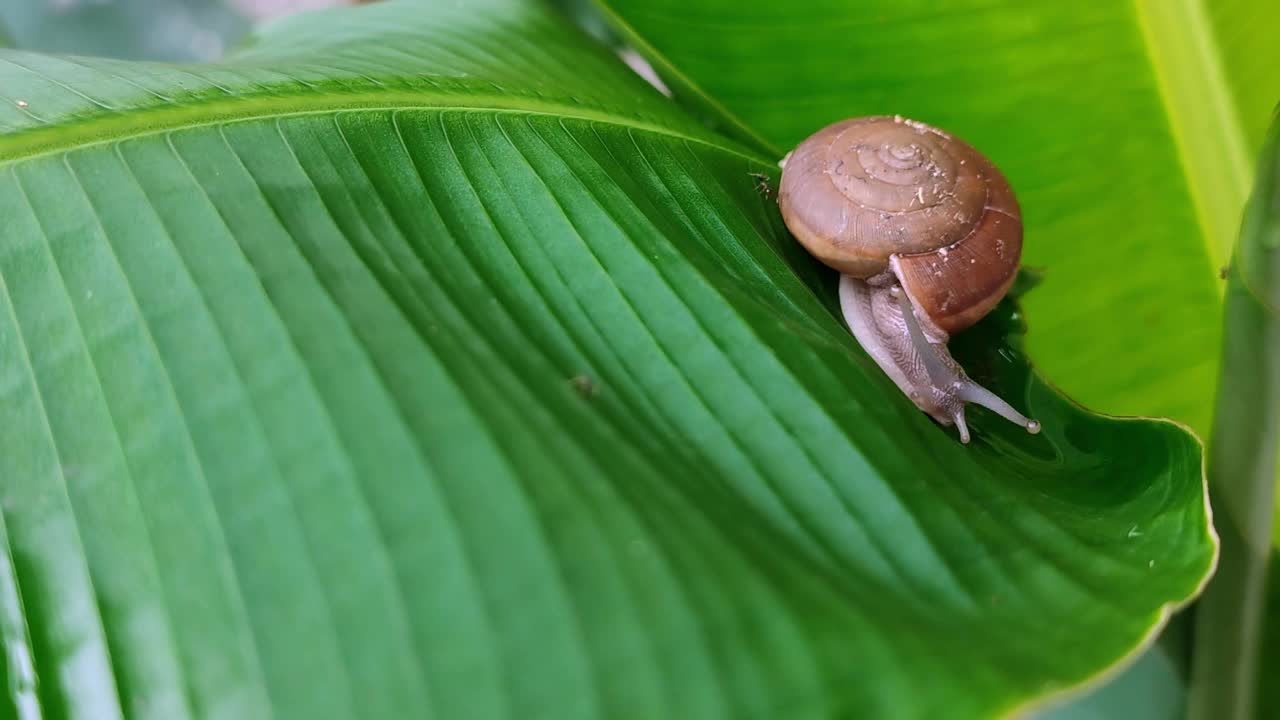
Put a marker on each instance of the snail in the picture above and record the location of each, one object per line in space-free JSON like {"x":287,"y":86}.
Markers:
{"x":926,"y":234}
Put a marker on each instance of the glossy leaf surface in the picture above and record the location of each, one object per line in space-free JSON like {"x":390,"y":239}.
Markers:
{"x":1127,"y":130}
{"x":421,"y":361}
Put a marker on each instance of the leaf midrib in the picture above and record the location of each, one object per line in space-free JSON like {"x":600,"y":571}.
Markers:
{"x":103,"y":127}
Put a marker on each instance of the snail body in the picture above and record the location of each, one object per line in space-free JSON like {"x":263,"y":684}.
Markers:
{"x":927,"y":236}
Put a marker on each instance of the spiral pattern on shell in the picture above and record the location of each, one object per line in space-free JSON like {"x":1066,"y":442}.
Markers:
{"x":862,"y":190}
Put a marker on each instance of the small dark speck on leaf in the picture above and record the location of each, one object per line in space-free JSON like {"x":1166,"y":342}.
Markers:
{"x":1223,"y":272}
{"x":585,"y":386}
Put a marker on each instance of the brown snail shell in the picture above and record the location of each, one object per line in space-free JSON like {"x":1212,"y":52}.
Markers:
{"x":927,"y":236}
{"x":862,"y":190}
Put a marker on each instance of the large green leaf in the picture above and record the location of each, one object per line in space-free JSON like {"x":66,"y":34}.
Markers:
{"x":1115,"y":122}
{"x":422,"y":361}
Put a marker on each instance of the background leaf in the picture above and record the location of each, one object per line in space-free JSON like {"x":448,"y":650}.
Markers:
{"x":175,"y":30}
{"x":1151,"y":689}
{"x":421,"y":360}
{"x":1111,"y":128}
{"x":1243,"y":462}
{"x":1240,"y":33}
{"x":1269,"y":666}
{"x":155,"y":29}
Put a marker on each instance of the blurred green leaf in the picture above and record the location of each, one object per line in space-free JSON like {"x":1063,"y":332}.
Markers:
{"x":421,"y":361}
{"x":1154,"y":687}
{"x":174,"y":30}
{"x":1150,"y":689}
{"x":1242,"y":34}
{"x":1243,"y":461}
{"x":1113,"y":132}
{"x":1269,"y":665}
{"x":1218,"y":98}
{"x":583,"y":13}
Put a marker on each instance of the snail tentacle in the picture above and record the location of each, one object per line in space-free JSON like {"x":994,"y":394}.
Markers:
{"x":972,"y":392}
{"x":953,"y":377}
{"x":941,"y":375}
{"x":885,"y":324}
{"x":962,"y":426}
